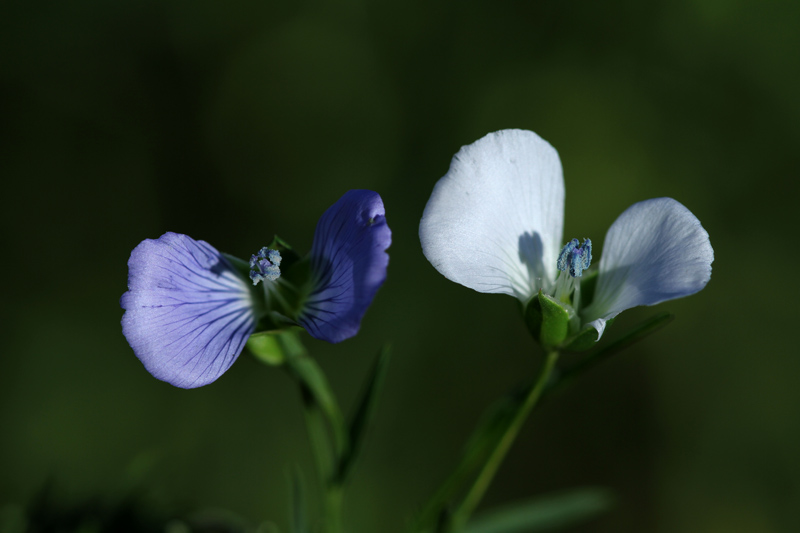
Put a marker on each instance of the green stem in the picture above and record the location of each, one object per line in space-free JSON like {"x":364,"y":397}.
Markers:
{"x":326,"y":429}
{"x":325,"y":463}
{"x":333,"y":509}
{"x":317,"y":436}
{"x":487,"y":473}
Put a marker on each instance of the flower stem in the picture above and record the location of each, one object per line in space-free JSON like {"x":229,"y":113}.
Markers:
{"x":333,"y":509}
{"x":326,"y":429}
{"x":487,"y":473}
{"x":326,"y":464}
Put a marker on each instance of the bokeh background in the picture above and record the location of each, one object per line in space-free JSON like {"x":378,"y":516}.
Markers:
{"x":232,"y":121}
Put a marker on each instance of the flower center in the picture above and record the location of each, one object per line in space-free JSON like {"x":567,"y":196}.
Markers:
{"x":573,"y":260}
{"x":575,"y":257}
{"x":265,"y":265}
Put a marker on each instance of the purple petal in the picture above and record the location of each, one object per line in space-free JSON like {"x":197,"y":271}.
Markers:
{"x":188,"y":313}
{"x":348,"y":264}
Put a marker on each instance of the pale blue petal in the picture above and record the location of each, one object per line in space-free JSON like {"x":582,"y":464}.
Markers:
{"x":494,"y":222}
{"x":655,"y":251}
{"x":188,"y":313}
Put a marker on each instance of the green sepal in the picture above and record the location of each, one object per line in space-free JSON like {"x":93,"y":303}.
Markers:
{"x":363,"y":414}
{"x":586,"y":339}
{"x":288,"y":256}
{"x":273,"y":347}
{"x":547,"y":320}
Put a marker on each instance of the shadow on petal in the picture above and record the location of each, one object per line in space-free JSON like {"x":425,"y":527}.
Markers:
{"x":531,"y":253}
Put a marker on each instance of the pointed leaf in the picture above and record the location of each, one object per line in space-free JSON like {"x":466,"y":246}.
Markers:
{"x":490,"y":429}
{"x":543,"y":514}
{"x":643,"y":330}
{"x":363,"y":414}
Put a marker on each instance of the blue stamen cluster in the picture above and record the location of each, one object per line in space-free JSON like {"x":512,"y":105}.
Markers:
{"x":265,"y":265}
{"x":575,"y":257}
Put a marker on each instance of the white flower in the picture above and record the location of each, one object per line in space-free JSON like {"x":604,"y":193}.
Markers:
{"x":494,"y":223}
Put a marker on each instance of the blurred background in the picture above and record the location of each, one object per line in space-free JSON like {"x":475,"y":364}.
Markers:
{"x":232,"y":121}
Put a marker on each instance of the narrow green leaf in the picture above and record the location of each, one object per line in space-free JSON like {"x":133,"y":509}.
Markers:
{"x":363,"y":413}
{"x":543,"y":514}
{"x":288,"y":256}
{"x":643,"y":330}
{"x":490,"y":429}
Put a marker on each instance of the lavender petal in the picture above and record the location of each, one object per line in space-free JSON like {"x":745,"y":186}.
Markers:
{"x":188,"y":313}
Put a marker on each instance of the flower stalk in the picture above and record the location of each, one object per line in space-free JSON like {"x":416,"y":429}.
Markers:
{"x":325,"y":425}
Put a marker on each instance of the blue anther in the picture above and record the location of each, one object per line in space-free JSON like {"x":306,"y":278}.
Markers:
{"x":265,"y":265}
{"x":565,"y":253}
{"x":575,"y":257}
{"x":274,"y":256}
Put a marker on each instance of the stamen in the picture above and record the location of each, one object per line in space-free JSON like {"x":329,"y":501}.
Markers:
{"x":265,"y":265}
{"x":575,"y":257}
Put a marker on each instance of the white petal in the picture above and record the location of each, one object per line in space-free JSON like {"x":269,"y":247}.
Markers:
{"x":494,"y":221}
{"x":655,"y":251}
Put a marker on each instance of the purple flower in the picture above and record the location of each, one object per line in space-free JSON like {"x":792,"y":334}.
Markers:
{"x":189,"y":310}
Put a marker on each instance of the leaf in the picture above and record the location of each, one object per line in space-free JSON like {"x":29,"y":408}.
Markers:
{"x":544,"y":513}
{"x":490,"y":429}
{"x":363,"y":414}
{"x":643,"y":330}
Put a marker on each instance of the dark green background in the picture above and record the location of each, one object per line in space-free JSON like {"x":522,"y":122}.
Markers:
{"x":231,"y":121}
